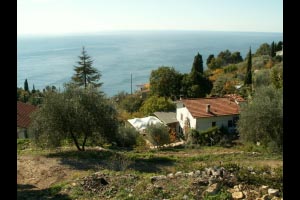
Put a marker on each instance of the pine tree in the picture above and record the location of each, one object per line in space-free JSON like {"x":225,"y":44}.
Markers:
{"x":26,"y":88}
{"x":85,"y":73}
{"x":248,"y":77}
{"x":198,"y":64}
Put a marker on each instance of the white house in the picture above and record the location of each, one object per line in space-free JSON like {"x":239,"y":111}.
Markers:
{"x":203,"y":113}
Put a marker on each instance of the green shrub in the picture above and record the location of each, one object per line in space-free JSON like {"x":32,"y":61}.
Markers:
{"x":23,"y":144}
{"x":210,"y":136}
{"x":158,"y":134}
{"x":230,"y":68}
{"x":127,"y":136}
{"x":221,"y":195}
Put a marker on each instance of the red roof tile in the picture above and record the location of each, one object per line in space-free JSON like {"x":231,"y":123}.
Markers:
{"x":23,"y":114}
{"x":218,"y":107}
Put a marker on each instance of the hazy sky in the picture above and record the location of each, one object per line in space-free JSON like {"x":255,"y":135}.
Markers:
{"x":82,"y":16}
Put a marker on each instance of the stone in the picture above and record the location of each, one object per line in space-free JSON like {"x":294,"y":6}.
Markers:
{"x":276,"y":198}
{"x":185,"y":197}
{"x":73,"y":184}
{"x":273,"y":192}
{"x":237,"y":195}
{"x":197,"y":173}
{"x":156,"y":178}
{"x":189,"y":174}
{"x":178,"y":173}
{"x":264,"y":189}
{"x":211,"y":180}
{"x":212,"y":189}
{"x":237,"y":188}
{"x":171,"y":175}
{"x":232,"y":190}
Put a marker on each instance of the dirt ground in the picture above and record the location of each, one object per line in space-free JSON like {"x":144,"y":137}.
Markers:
{"x":41,"y":172}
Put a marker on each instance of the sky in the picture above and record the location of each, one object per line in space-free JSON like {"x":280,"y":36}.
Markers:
{"x":52,"y":17}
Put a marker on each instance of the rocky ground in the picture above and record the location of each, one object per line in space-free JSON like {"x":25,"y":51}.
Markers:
{"x":44,"y":177}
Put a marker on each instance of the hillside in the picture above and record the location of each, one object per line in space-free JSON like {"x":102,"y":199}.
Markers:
{"x":146,"y":174}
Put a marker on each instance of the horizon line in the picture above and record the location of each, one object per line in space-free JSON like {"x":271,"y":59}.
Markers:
{"x":134,"y":30}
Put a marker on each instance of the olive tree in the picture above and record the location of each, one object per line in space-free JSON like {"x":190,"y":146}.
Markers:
{"x":158,"y":134}
{"x":77,"y":114}
{"x":262,"y":118}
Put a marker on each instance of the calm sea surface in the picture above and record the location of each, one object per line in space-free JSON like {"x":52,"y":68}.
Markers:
{"x":50,"y":60}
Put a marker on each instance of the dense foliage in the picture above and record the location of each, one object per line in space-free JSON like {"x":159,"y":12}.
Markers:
{"x":127,"y":136}
{"x":77,"y":114}
{"x":165,"y":82}
{"x":261,"y":120}
{"x":154,"y":103}
{"x":158,"y":134}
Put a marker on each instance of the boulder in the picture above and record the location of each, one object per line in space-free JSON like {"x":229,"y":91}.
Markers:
{"x":212,"y":189}
{"x":171,"y":175}
{"x":264,"y":189}
{"x":237,"y":195}
{"x":178,"y":173}
{"x":273,"y":192}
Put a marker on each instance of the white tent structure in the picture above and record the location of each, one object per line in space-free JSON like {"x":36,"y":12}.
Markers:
{"x":141,"y":124}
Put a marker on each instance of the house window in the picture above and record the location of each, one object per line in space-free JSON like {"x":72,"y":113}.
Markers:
{"x":230,"y":124}
{"x":213,"y":124}
{"x":181,"y":116}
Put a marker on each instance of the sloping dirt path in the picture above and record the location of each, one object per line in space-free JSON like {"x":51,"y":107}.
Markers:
{"x":41,"y":172}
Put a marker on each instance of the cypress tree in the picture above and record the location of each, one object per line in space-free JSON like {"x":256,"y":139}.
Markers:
{"x":198,"y":64}
{"x":210,"y":57}
{"x":33,"y":89}
{"x":248,"y":77}
{"x":26,"y":88}
{"x":84,"y":73}
{"x":273,"y":49}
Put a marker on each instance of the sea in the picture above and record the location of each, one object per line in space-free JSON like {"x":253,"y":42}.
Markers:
{"x":125,"y":59}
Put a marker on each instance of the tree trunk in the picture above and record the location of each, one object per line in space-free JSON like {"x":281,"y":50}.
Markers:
{"x":84,"y":141}
{"x":75,"y":141}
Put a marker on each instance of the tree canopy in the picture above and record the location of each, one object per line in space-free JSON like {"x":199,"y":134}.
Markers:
{"x":84,"y":73}
{"x":262,"y":118}
{"x":198,"y":64}
{"x":165,"y":82}
{"x":77,"y":114}
{"x":154,"y":103}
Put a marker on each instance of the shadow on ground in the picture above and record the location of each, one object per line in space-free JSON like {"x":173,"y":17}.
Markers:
{"x":29,"y":192}
{"x":112,"y":160}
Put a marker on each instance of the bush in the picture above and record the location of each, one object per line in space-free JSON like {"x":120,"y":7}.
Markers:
{"x":230,"y":68}
{"x":210,"y":136}
{"x":23,"y":144}
{"x":158,"y":134}
{"x":126,"y":137}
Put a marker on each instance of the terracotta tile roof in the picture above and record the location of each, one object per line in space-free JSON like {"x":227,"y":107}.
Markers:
{"x":218,"y":107}
{"x":23,"y":114}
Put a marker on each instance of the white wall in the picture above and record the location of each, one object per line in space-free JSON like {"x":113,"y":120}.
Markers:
{"x":201,"y":123}
{"x":206,"y":122}
{"x":186,"y":114}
